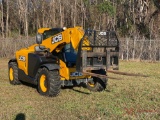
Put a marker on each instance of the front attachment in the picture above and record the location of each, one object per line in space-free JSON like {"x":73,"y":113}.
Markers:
{"x":98,"y":50}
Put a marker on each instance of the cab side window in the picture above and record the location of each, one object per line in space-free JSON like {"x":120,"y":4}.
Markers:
{"x":49,"y":33}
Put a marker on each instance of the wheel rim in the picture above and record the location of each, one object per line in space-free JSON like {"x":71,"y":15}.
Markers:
{"x":42,"y":83}
{"x":11,"y":76}
{"x":91,"y":84}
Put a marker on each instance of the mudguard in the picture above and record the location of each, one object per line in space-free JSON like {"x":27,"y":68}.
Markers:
{"x":12,"y":60}
{"x":51,"y":66}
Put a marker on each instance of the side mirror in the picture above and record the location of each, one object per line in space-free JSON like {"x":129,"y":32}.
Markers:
{"x":39,"y":38}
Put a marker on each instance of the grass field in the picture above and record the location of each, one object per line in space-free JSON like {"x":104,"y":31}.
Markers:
{"x":129,"y":98}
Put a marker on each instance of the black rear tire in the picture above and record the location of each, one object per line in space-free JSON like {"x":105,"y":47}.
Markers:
{"x":13,"y":73}
{"x":49,"y":83}
{"x":98,"y":84}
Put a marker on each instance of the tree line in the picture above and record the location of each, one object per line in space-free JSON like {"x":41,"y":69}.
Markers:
{"x":130,"y":18}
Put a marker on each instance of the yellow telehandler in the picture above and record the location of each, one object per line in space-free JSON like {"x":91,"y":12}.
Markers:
{"x":66,"y":57}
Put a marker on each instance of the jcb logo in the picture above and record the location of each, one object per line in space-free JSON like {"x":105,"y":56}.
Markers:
{"x":76,"y":74}
{"x":22,"y":58}
{"x":57,"y":38}
{"x":102,"y":33}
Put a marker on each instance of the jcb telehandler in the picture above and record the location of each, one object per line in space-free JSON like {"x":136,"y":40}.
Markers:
{"x":66,"y":57}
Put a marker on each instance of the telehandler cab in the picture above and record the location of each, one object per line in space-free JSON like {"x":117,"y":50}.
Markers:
{"x":66,"y":57}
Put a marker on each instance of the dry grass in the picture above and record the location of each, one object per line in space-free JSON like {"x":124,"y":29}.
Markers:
{"x":130,"y":98}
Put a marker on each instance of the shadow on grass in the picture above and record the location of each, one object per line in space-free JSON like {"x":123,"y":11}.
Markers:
{"x":72,"y":88}
{"x":29,"y":85}
{"x":65,"y":87}
{"x":81,"y":92}
{"x":20,"y":116}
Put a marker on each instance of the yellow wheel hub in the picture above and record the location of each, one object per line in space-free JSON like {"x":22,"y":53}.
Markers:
{"x":11,"y":74}
{"x":91,"y":84}
{"x":42,"y":83}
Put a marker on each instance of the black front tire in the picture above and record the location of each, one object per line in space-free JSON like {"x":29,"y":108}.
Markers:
{"x":98,"y":84}
{"x":49,"y":83}
{"x":13,"y":73}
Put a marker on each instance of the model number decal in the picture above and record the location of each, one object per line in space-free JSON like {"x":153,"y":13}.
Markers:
{"x":22,"y":58}
{"x":57,"y":38}
{"x":76,"y":74}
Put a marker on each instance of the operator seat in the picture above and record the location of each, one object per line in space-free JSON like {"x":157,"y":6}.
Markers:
{"x":70,"y":55}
